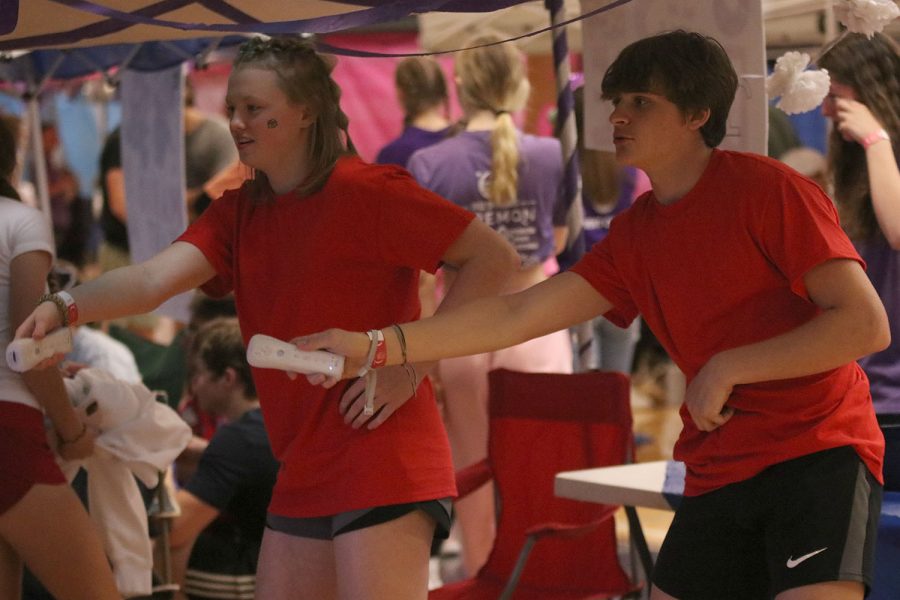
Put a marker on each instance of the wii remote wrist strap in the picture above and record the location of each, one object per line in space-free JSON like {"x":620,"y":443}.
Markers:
{"x":376,"y":357}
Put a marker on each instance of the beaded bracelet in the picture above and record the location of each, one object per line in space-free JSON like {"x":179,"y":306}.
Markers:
{"x":60,"y":306}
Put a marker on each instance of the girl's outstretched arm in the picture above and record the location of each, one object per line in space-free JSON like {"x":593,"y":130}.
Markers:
{"x":129,"y":290}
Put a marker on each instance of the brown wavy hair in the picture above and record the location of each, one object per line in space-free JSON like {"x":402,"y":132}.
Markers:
{"x":8,"y":157}
{"x":422,"y":85}
{"x":218,"y":344}
{"x":872,"y":68}
{"x":304,"y":76}
{"x":691,"y":70}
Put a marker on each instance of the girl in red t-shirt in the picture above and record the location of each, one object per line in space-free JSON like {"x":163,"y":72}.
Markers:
{"x":318,"y":236}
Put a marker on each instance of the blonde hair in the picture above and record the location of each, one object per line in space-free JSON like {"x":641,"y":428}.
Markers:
{"x":304,"y":76}
{"x":493,"y":78}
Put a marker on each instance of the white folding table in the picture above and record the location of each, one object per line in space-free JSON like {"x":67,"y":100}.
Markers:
{"x":657,"y":484}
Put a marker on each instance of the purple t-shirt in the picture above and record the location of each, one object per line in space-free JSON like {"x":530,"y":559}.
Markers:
{"x":596,"y":222}
{"x":398,"y":151}
{"x":883,"y":368}
{"x":459,"y":167}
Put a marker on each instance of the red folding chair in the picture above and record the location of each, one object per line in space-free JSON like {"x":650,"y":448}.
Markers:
{"x":548,"y":547}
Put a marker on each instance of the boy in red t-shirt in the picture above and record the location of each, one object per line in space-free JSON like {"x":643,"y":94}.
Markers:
{"x":740,"y":268}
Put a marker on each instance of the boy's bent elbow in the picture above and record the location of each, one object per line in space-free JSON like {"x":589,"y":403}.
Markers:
{"x":878,"y":329}
{"x":883,"y":339}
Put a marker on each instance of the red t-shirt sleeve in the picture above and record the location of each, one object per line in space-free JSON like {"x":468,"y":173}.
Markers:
{"x":415,"y":226}
{"x":599,"y":269}
{"x":800,"y":230}
{"x":213,"y":234}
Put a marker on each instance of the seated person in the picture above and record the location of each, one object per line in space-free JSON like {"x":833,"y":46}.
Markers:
{"x":215,"y":540}
{"x":202,"y":310}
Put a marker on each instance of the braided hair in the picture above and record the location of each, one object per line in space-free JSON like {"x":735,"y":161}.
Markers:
{"x":493,"y":78}
{"x":304,"y":76}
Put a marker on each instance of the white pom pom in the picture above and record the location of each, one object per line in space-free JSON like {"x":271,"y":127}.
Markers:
{"x":806,"y":92}
{"x":787,"y":67}
{"x":866,"y":16}
{"x":800,"y":90}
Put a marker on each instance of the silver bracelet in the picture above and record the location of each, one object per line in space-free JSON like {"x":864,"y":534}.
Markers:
{"x":413,"y":377}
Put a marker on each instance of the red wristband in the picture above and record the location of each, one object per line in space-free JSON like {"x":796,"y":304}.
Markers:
{"x":874,"y":138}
{"x":380,"y":351}
{"x":71,"y":307}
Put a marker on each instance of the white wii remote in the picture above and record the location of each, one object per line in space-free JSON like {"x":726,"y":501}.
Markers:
{"x":271,"y":353}
{"x":25,"y":353}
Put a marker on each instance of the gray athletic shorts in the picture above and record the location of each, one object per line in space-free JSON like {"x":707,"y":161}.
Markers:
{"x":808,"y":520}
{"x":328,"y":527}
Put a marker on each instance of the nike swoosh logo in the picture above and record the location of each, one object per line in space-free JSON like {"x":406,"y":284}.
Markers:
{"x":793,"y":562}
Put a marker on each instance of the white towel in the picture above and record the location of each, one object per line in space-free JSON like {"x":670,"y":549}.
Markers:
{"x":136,"y":436}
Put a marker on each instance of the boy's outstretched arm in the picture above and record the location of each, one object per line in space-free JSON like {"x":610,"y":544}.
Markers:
{"x":852,"y":324}
{"x":479,"y":326}
{"x":502,"y":321}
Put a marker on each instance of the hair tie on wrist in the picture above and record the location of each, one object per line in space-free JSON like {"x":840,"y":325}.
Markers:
{"x":402,"y":339}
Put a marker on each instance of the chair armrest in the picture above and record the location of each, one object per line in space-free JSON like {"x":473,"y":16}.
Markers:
{"x":473,"y":477}
{"x":558,"y":530}
{"x":566,"y":530}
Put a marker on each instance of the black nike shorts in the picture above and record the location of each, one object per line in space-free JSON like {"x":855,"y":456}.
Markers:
{"x":808,"y":520}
